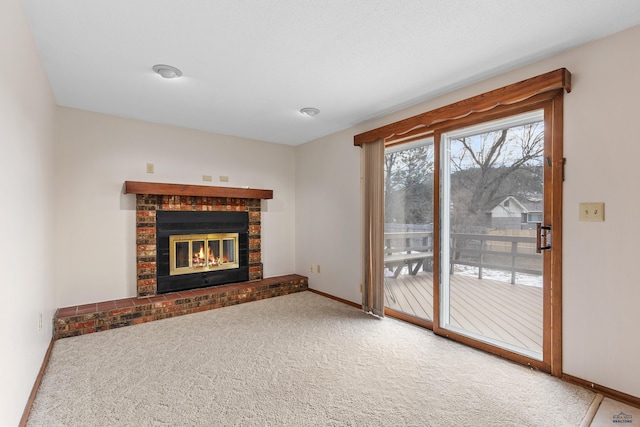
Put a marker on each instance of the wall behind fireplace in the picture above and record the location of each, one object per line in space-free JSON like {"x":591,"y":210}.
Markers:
{"x":95,"y":234}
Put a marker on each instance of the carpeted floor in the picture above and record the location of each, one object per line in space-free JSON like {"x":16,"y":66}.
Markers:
{"x":296,"y":360}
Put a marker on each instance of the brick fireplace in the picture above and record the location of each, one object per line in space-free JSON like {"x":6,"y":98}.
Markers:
{"x":146,"y":233}
{"x":149,"y":305}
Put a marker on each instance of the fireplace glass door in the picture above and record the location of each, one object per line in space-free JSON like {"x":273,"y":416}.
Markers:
{"x":190,"y":253}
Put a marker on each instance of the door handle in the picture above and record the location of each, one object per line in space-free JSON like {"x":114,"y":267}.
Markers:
{"x":543,"y":237}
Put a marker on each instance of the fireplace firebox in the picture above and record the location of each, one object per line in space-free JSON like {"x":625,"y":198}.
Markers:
{"x":201,"y":249}
{"x":193,"y":253}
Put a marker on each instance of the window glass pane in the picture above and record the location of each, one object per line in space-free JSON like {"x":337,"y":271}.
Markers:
{"x":182,"y":254}
{"x":493,"y":179}
{"x":228,"y":251}
{"x":197,"y":251}
{"x":409,"y":180}
{"x":535,"y":217}
{"x":214,"y":252}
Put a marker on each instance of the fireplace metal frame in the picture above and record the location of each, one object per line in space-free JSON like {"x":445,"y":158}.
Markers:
{"x":232,"y":260}
{"x":172,"y":223}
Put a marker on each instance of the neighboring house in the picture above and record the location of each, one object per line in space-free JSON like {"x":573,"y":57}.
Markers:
{"x":514,"y":214}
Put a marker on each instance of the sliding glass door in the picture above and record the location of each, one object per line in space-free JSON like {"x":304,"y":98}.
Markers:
{"x":473,"y":193}
{"x":492,"y":199}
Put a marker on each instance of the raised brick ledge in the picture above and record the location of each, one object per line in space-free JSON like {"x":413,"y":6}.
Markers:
{"x":95,"y":317}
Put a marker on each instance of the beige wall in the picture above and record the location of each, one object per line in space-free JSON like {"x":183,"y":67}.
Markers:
{"x":601,"y":292}
{"x":328,"y":215}
{"x":95,"y":230}
{"x":26,"y":184}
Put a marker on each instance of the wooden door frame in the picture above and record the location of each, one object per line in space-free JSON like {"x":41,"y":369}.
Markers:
{"x":552,"y":291}
{"x":543,"y":91}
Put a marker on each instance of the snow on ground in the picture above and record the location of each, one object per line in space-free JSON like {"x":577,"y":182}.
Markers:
{"x":503,"y":276}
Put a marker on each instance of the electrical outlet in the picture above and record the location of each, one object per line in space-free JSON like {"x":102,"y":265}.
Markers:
{"x":224,"y":178}
{"x":311,"y":268}
{"x":150,"y":168}
{"x":318,"y":268}
{"x":591,"y":211}
{"x":207,"y":178}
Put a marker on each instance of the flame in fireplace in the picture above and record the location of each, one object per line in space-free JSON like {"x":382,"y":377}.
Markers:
{"x":212,"y":258}
{"x":198,"y":258}
{"x":207,"y":252}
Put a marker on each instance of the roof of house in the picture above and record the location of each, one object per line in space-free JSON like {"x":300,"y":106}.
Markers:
{"x":525,"y":205}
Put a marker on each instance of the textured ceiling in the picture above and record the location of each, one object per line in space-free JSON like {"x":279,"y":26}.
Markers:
{"x":250,"y":65}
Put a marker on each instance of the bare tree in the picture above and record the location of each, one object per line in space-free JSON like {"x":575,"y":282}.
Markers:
{"x":409,"y":185}
{"x":488,"y":167}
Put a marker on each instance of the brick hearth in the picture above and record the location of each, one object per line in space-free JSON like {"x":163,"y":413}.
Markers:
{"x":95,"y":317}
{"x":148,"y":306}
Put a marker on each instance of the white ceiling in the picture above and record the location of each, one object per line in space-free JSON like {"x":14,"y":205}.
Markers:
{"x":250,"y":65}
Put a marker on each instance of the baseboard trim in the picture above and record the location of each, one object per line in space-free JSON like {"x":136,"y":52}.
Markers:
{"x":344,"y":301}
{"x":36,"y":386}
{"x":605,"y":391}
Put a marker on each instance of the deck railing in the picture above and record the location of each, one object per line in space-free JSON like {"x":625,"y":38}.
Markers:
{"x":512,"y":254}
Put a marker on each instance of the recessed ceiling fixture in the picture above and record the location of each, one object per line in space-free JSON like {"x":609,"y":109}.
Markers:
{"x":167,"y":71}
{"x":309,"y":111}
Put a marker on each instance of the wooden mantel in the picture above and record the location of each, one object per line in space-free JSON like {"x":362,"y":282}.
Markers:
{"x":136,"y":187}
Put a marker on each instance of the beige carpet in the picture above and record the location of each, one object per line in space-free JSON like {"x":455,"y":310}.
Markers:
{"x":296,"y":360}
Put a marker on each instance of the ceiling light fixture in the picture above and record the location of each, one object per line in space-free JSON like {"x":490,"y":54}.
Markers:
{"x":167,"y":71}
{"x":309,"y":111}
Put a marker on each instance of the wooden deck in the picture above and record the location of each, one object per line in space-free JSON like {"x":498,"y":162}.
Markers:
{"x":509,"y":313}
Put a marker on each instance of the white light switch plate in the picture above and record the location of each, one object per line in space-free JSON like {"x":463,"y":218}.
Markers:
{"x":591,"y":211}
